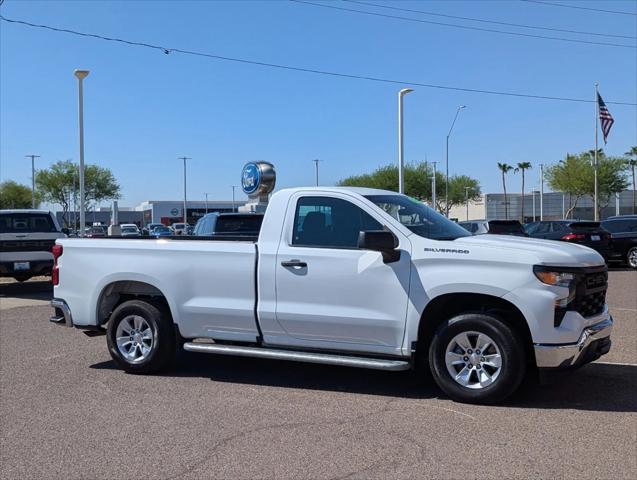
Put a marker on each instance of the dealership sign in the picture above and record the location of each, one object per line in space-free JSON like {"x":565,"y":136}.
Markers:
{"x":258,"y":178}
{"x":174,"y":212}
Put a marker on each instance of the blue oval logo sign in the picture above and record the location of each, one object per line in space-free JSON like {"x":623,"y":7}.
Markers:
{"x":250,"y":178}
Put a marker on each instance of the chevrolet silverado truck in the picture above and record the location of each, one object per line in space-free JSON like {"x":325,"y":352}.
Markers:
{"x":344,"y":276}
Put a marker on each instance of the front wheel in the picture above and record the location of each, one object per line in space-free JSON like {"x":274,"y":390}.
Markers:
{"x":631,"y":257}
{"x":140,"y":337}
{"x":477,"y":358}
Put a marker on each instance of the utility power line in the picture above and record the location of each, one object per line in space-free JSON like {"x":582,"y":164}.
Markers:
{"x":618,"y":12}
{"x":168,"y":50}
{"x":495,"y":22}
{"x":465,"y":27}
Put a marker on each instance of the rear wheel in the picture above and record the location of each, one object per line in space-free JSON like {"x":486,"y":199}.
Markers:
{"x":631,"y":257}
{"x":140,"y":337}
{"x":477,"y":358}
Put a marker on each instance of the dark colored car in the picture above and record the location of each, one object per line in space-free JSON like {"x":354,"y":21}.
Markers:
{"x":589,"y":234}
{"x":623,"y":230}
{"x":95,"y":231}
{"x":234,"y":224}
{"x":162,"y":231}
{"x":495,"y":227}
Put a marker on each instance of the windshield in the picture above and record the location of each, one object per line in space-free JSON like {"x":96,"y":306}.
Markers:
{"x":161,"y":229}
{"x":239,"y":224}
{"x":418,"y":217}
{"x":129,"y":230}
{"x":26,"y":223}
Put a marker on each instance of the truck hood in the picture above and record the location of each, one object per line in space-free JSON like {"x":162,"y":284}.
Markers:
{"x":547,"y":252}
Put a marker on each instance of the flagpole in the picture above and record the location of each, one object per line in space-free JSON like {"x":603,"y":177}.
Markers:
{"x":595,"y":201}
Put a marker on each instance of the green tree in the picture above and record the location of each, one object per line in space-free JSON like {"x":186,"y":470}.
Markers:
{"x":632,"y":164}
{"x":522,"y":167}
{"x":16,"y":195}
{"x":505,"y":168}
{"x":418,"y":178}
{"x":575,"y":175}
{"x":59,"y":184}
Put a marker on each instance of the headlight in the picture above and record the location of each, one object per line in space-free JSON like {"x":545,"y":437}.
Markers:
{"x":558,"y":279}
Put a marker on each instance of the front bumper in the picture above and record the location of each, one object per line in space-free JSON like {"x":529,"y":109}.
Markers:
{"x":62,"y":315}
{"x":37,"y":267}
{"x":592,"y":344}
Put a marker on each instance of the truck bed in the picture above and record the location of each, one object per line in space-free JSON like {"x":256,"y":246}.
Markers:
{"x":206,"y":281}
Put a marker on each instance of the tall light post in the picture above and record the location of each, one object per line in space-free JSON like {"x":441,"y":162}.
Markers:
{"x":466,"y":199}
{"x":81,"y":75}
{"x":541,"y":192}
{"x":206,"y":194}
{"x":233,"y":204}
{"x":433,"y":187}
{"x":447,"y":162}
{"x":32,"y":157}
{"x":316,"y":164}
{"x":401,"y":153}
{"x":185,"y":205}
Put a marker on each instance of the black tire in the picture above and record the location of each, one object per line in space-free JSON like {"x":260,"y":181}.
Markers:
{"x":511,"y":351}
{"x":630,"y":258}
{"x":162,"y":349}
{"x":22,"y":278}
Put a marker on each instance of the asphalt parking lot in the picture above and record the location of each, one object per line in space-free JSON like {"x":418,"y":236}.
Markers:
{"x":67,"y":412}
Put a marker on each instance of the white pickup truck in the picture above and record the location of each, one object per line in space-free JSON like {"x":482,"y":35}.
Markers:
{"x":345,"y":276}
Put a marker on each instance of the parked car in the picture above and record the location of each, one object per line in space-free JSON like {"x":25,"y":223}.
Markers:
{"x":26,"y":240}
{"x":233,"y":224}
{"x":345,"y":276}
{"x":623,"y":231}
{"x":162,"y":231}
{"x":129,"y":230}
{"x":95,"y":231}
{"x":589,"y":234}
{"x":495,"y":227}
{"x":180,"y":228}
{"x":150,"y":227}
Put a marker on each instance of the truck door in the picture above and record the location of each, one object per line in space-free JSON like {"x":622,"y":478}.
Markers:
{"x":330,"y":293}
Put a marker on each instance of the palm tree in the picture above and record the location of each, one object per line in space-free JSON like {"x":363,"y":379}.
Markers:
{"x":505,"y":168}
{"x":632,"y":163}
{"x":522,"y":166}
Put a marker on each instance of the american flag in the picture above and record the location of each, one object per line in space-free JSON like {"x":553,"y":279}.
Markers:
{"x":605,"y":118}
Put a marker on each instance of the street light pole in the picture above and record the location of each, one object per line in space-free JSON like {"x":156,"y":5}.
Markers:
{"x":433,"y":187}
{"x":316,"y":163}
{"x":466,"y":197}
{"x":401,"y":157}
{"x":541,"y":192}
{"x":206,"y":194}
{"x":185,"y":204}
{"x":81,"y":75}
{"x":233,"y":204}
{"x":33,"y":157}
{"x":447,"y":162}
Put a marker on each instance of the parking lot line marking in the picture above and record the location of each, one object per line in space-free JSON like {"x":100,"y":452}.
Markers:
{"x":624,"y":309}
{"x":617,"y":363}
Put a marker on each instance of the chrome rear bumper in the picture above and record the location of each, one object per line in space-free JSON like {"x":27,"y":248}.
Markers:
{"x":62,"y":315}
{"x":592,"y":344}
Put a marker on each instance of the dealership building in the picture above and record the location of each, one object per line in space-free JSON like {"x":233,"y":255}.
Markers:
{"x":555,"y":206}
{"x":156,"y":211}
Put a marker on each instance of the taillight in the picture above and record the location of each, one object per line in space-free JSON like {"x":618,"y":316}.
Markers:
{"x":55,"y":273}
{"x":573,"y":236}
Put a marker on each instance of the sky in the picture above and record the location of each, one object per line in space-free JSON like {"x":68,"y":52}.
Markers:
{"x":145,"y":108}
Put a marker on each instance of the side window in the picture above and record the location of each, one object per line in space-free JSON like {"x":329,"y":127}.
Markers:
{"x":330,"y":222}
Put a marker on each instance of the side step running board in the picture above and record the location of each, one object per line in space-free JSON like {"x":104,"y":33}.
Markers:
{"x":295,"y":356}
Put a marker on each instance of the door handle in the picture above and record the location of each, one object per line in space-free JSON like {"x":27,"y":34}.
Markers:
{"x":294,"y":263}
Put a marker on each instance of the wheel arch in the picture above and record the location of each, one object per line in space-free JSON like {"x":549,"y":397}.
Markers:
{"x":119,"y":291}
{"x":449,"y":305}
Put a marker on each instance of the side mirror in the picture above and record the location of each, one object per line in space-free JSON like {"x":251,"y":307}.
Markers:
{"x":381,"y":241}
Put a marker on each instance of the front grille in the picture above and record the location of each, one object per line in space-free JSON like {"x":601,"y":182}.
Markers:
{"x":590,"y":304}
{"x":589,"y":296}
{"x":26,"y":245}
